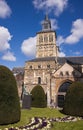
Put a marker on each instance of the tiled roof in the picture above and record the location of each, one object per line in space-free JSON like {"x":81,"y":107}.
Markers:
{"x":61,"y":60}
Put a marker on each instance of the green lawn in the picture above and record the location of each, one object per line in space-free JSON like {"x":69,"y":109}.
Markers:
{"x":46,"y":112}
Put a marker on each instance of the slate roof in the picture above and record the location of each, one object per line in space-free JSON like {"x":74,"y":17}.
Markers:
{"x":18,"y":70}
{"x":61,"y":60}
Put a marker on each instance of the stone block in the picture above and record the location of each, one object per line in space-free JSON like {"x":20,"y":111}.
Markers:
{"x":26,"y":102}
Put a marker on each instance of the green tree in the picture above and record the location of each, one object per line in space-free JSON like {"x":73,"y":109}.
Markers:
{"x":9,"y":100}
{"x":38,"y":97}
{"x":73,"y":104}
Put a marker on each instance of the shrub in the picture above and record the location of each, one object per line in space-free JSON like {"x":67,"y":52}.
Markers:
{"x":9,"y":100}
{"x":73,"y":104}
{"x":38,"y":97}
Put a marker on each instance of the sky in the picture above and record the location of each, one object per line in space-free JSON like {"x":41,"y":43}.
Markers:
{"x":20,"y":20}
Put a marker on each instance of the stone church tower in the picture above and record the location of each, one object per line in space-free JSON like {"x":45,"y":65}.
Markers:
{"x":53,"y":73}
{"x":46,"y":41}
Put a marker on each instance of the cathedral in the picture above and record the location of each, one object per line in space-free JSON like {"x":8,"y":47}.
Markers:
{"x":53,"y":73}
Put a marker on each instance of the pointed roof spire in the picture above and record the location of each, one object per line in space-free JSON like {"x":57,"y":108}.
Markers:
{"x":46,"y":16}
{"x":46,"y":24}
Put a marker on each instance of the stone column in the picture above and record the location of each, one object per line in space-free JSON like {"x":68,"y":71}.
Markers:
{"x":56,"y":100}
{"x":48,"y":97}
{"x":48,"y":91}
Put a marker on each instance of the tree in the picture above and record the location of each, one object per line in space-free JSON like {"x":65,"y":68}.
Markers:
{"x":73,"y":104}
{"x":9,"y":100}
{"x":38,"y":97}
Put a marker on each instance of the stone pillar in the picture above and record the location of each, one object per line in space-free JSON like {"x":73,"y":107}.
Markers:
{"x":48,"y":91}
{"x":56,"y":100}
{"x":48,"y":97}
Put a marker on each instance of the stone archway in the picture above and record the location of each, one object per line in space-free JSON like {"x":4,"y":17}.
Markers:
{"x":62,"y":92}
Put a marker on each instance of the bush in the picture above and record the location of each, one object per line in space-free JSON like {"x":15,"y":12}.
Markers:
{"x":73,"y":104}
{"x":9,"y":100}
{"x":38,"y":97}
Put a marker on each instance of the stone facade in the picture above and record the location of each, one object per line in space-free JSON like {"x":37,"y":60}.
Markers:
{"x":46,"y":41}
{"x":46,"y":44}
{"x":52,"y":72}
{"x":37,"y":73}
{"x":50,"y":75}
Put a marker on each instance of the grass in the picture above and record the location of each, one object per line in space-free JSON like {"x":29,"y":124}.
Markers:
{"x":46,"y":112}
{"x":78,"y":125}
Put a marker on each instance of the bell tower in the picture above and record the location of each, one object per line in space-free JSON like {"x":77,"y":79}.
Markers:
{"x":46,"y":40}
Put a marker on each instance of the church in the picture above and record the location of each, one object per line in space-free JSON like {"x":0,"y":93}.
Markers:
{"x":53,"y":73}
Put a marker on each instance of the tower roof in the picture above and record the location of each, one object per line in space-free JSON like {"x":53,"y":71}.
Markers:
{"x":46,"y":24}
{"x":46,"y":17}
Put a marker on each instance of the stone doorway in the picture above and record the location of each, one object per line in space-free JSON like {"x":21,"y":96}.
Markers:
{"x":62,"y":92}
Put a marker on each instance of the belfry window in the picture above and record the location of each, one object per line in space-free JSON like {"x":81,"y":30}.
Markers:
{"x":40,"y":39}
{"x":50,"y":38}
{"x":45,"y":26}
{"x":45,"y":38}
{"x":39,"y":80}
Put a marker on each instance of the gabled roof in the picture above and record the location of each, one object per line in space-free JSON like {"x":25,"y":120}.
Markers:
{"x":61,"y":60}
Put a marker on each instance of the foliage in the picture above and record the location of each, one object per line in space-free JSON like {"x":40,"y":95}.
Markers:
{"x":73,"y":104}
{"x":38,"y":97}
{"x":9,"y":100}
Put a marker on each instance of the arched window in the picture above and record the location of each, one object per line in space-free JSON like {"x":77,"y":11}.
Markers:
{"x":40,"y":39}
{"x":39,"y":80}
{"x":30,"y":66}
{"x":39,"y":66}
{"x":50,"y":38}
{"x":67,"y":73}
{"x":45,"y":38}
{"x":61,"y":73}
{"x":48,"y":66}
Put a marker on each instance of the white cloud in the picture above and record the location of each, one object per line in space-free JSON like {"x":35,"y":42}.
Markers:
{"x":62,"y":54}
{"x":29,"y":46}
{"x":57,"y":6}
{"x":5,"y":37}
{"x":9,"y":56}
{"x":5,"y":10}
{"x":60,"y":40}
{"x":54,"y":24}
{"x":76,"y":32}
{"x":77,"y":52}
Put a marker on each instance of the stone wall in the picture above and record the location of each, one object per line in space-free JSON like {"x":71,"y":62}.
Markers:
{"x":34,"y":70}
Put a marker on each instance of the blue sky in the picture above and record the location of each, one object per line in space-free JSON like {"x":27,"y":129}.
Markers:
{"x":20,"y":20}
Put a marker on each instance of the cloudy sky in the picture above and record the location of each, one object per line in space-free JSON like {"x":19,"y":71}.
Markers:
{"x":20,"y":20}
